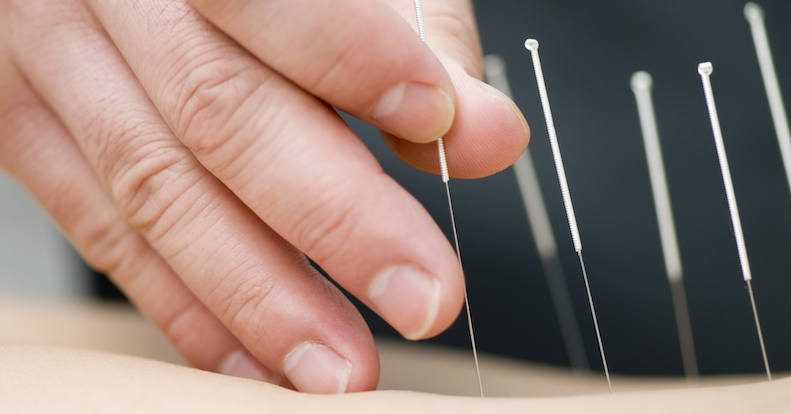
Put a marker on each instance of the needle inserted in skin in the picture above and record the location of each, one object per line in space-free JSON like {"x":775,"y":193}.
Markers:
{"x":443,"y":164}
{"x":641,"y":85}
{"x":755,"y":16}
{"x":526,"y":177}
{"x":532,"y":46}
{"x":705,"y":69}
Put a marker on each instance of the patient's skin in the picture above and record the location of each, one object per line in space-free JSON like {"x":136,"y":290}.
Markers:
{"x":40,"y":379}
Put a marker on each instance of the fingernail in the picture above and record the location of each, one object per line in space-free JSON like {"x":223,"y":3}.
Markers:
{"x":313,"y":367}
{"x":407,"y":298}
{"x":241,"y":364}
{"x":416,"y":112}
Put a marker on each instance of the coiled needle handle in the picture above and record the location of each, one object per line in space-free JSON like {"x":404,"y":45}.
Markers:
{"x":532,"y":46}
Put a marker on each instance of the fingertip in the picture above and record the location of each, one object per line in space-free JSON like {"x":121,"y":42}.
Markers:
{"x":240,"y":363}
{"x":415,"y":112}
{"x":408,"y":298}
{"x":315,"y":368}
{"x":418,"y":303}
{"x":486,"y":111}
{"x":522,"y":139}
{"x":488,"y":134}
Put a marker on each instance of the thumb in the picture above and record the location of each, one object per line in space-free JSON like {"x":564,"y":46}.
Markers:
{"x":489,"y":132}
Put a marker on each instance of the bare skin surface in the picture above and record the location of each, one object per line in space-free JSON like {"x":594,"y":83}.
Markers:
{"x":40,"y":379}
{"x":61,"y":357}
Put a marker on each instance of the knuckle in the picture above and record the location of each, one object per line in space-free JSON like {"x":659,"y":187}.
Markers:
{"x":146,"y":170}
{"x":148,"y":181}
{"x":101,"y":240}
{"x":113,"y":143}
{"x":229,"y":110}
{"x":248,"y":301}
{"x":112,"y":247}
{"x":211,"y":94}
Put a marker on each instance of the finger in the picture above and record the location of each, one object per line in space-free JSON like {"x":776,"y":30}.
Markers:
{"x":488,"y":135}
{"x":451,"y":31}
{"x":36,"y":149}
{"x":287,"y":315}
{"x":366,"y":60}
{"x":489,"y":132}
{"x":296,"y":164}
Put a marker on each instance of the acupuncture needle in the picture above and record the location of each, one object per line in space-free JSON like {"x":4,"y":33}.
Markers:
{"x":642,"y":84}
{"x":755,"y":16}
{"x":532,"y":46}
{"x":705,"y":69}
{"x":443,"y":164}
{"x":495,"y":72}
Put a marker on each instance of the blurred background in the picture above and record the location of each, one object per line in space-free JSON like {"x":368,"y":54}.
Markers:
{"x":589,"y":51}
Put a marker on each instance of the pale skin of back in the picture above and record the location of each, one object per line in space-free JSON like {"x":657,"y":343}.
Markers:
{"x":38,"y":379}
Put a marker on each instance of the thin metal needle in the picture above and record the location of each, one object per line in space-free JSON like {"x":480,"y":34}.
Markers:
{"x":532,"y":46}
{"x":642,"y":84}
{"x":705,"y":69}
{"x":527,"y":179}
{"x":755,"y":16}
{"x":595,"y":319}
{"x":443,"y":163}
{"x":758,"y":327}
{"x":466,"y":298}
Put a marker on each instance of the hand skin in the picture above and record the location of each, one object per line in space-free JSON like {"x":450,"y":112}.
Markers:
{"x":190,"y":151}
{"x":38,"y":379}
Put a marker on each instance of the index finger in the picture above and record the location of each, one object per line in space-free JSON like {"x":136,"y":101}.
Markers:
{"x":358,"y":55}
{"x":365,"y":58}
{"x":294,"y":163}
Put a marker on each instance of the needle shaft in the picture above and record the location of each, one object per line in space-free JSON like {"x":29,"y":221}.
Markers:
{"x":758,"y":327}
{"x":532,"y":46}
{"x":536,"y":210}
{"x":705,"y":69}
{"x":466,"y":298}
{"x":443,"y":162}
{"x":595,"y":320}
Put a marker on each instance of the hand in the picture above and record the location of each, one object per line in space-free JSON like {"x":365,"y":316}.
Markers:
{"x":189,"y":151}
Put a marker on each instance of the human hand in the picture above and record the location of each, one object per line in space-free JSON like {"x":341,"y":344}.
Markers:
{"x":189,"y":152}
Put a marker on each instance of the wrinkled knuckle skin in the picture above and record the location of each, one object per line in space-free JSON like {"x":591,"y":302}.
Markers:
{"x":209,"y":97}
{"x":229,"y":110}
{"x":102,"y":244}
{"x":248,"y":309}
{"x":151,"y":178}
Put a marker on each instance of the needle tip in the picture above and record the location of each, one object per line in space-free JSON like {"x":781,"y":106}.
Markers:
{"x":531,"y":44}
{"x":705,"y":68}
